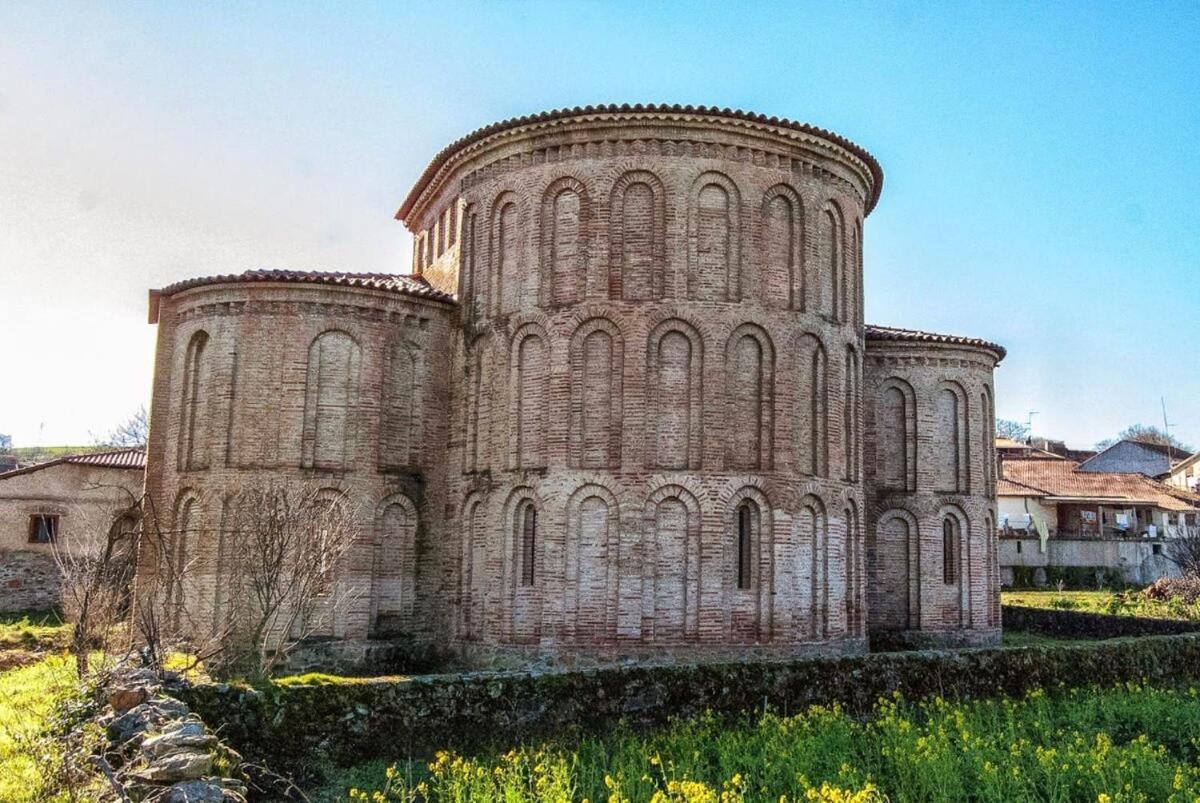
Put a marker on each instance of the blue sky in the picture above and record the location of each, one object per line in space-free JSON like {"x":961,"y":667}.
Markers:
{"x":1040,"y":163}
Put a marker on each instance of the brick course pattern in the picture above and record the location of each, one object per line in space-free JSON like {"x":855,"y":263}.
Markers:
{"x":630,"y":412}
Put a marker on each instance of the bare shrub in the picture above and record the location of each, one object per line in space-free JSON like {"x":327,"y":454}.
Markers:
{"x":1165,"y":589}
{"x":286,"y":544}
{"x":1184,"y":550}
{"x":96,"y":570}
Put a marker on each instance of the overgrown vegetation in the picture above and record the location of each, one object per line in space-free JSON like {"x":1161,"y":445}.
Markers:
{"x":1127,"y":743}
{"x":1156,"y":602}
{"x":41,"y":746}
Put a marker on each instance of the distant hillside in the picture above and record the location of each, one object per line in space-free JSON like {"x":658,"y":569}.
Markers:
{"x":29,"y":455}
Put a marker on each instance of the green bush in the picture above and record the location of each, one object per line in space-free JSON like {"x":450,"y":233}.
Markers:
{"x":1127,"y":743}
{"x":295,"y":727}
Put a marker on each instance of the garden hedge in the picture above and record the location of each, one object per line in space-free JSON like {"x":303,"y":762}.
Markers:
{"x":291,"y":726}
{"x":1084,"y":625}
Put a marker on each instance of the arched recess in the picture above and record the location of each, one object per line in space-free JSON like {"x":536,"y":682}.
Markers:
{"x":991,"y":586}
{"x":195,"y":404}
{"x":180,"y":562}
{"x":400,"y":427}
{"x":591,"y":571}
{"x":330,"y":399}
{"x":747,"y":576}
{"x":856,"y":272}
{"x":955,"y":566}
{"x":987,"y":441}
{"x":637,"y":221}
{"x":896,"y":436}
{"x":674,"y":396}
{"x":529,"y":371}
{"x":505,"y":249}
{"x":894,"y":566}
{"x":714,"y":239}
{"x":473,"y":288}
{"x":477,"y":409}
{"x":953,"y":439}
{"x":781,"y":276}
{"x":597,"y":360}
{"x":812,"y":407}
{"x":473,"y":579}
{"x":830,"y":290}
{"x":394,"y":567}
{"x":671,"y":596}
{"x":750,"y":398}
{"x":806,"y":591}
{"x":525,"y":567}
{"x":851,"y":415}
{"x":565,"y":223}
{"x":855,"y":565}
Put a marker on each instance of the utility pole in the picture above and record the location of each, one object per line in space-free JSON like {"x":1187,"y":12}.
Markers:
{"x":1167,"y":431}
{"x":1029,"y":425}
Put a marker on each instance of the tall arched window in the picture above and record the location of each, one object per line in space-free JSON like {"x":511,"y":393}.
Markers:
{"x":745,"y":530}
{"x":193,"y":435}
{"x":527,"y":521}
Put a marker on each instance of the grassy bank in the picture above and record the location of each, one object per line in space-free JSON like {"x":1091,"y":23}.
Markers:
{"x":1129,"y":743}
{"x":1118,"y":603}
{"x":29,"y":696}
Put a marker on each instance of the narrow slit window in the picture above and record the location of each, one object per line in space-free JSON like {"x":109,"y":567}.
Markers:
{"x":949,"y":552}
{"x":528,"y":544}
{"x":745,"y":524}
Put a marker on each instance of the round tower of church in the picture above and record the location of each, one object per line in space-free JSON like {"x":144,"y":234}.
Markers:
{"x":655,"y":444}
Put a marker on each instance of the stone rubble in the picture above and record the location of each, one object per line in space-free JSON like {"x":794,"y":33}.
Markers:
{"x":160,"y":750}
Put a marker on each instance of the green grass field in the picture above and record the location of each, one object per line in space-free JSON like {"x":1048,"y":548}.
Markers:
{"x":1126,"y":744}
{"x":1120,"y":603}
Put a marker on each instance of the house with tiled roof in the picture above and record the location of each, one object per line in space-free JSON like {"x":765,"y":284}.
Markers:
{"x":1135,"y":457}
{"x":1053,"y":513}
{"x":1185,"y":474}
{"x":59,"y":504}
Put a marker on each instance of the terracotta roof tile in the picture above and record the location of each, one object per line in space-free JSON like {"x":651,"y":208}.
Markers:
{"x":130,"y":459}
{"x":891,"y":333}
{"x":404,"y":284}
{"x":667,"y":109}
{"x":1059,"y":478}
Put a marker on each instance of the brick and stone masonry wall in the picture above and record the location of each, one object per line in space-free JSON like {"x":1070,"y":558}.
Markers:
{"x":345,"y":388}
{"x":28,"y":581}
{"x":639,"y":433}
{"x":930,"y":469}
{"x":655,"y":337}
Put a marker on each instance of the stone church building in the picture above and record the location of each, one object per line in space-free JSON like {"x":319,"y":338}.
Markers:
{"x":626,"y":406}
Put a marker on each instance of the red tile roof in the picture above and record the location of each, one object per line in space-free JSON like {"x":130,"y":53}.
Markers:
{"x":891,"y":333}
{"x":405,"y":284}
{"x":664,"y":110}
{"x":1058,"y":478}
{"x":128,"y":459}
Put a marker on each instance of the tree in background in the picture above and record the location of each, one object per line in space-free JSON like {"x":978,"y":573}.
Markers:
{"x":1013,"y":430}
{"x":1142,"y":433}
{"x":132,"y":433}
{"x":5,"y":443}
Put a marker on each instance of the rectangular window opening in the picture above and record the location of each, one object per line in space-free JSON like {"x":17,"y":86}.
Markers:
{"x":43,"y":528}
